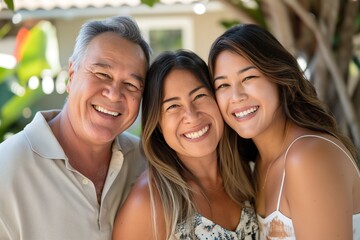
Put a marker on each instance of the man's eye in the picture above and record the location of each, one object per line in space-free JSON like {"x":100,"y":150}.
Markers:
{"x":133,"y":87}
{"x":102,"y":75}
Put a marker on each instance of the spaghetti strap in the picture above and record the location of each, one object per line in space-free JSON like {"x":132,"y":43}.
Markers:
{"x":287,"y":150}
{"x":283,"y":177}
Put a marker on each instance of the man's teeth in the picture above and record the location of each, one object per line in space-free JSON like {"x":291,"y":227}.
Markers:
{"x":103,"y":110}
{"x":245,"y":113}
{"x":197,"y":134}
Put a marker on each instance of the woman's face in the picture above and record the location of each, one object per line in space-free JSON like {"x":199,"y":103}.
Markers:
{"x":248,"y":101}
{"x":190,"y":119}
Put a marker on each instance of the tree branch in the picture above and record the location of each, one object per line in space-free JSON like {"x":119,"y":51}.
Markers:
{"x":241,"y":15}
{"x":329,"y":59}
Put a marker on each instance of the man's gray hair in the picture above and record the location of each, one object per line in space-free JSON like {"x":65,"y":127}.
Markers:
{"x":123,"y":26}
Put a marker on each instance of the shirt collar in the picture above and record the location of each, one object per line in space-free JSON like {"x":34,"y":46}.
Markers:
{"x":41,"y":138}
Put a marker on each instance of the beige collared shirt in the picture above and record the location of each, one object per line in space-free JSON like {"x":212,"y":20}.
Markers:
{"x":43,"y":198}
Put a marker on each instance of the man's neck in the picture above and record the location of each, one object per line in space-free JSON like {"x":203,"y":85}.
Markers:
{"x":91,"y":160}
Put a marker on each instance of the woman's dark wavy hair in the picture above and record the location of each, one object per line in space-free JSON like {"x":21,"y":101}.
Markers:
{"x":297,"y":95}
{"x":166,"y":173}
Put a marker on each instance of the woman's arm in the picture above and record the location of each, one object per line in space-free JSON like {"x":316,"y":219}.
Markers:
{"x":134,"y":219}
{"x":318,"y":186}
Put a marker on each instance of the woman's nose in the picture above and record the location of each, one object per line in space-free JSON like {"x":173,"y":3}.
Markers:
{"x":238,"y":93}
{"x":190,"y":114}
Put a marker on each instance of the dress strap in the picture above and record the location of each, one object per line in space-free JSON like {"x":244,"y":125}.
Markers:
{"x":287,"y":150}
{"x":283,"y":177}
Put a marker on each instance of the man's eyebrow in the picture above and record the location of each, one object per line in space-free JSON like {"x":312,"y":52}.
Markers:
{"x":238,"y":72}
{"x":141,"y":79}
{"x":100,"y":64}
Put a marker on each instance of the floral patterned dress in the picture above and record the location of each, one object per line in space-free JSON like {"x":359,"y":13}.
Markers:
{"x":247,"y":228}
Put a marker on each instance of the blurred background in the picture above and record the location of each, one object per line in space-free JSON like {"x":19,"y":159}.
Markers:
{"x":37,"y":38}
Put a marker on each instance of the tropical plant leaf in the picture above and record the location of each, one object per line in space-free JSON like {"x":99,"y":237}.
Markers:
{"x":150,"y":2}
{"x":13,"y":108}
{"x":36,"y":50}
{"x":5,"y":73}
{"x":5,"y":29}
{"x":10,"y":4}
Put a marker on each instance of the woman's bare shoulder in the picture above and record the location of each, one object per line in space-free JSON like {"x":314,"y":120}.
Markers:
{"x":135,"y":213}
{"x":140,"y":189}
{"x":319,"y":176}
{"x":315,"y":151}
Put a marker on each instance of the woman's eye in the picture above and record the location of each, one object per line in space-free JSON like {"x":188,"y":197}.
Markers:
{"x":248,"y":78}
{"x":199,"y":96}
{"x":223,"y":85}
{"x":173,"y":106}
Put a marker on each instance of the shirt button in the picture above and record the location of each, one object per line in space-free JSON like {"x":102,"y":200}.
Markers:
{"x":85,"y":181}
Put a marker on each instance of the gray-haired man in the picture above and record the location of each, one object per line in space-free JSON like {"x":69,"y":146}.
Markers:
{"x":66,"y":174}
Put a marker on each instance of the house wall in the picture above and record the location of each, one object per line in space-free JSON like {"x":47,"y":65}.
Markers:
{"x":205,"y":28}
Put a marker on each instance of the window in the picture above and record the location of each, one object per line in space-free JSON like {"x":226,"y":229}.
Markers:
{"x":167,"y":33}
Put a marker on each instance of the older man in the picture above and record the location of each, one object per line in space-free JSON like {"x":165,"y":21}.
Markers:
{"x":66,"y":174}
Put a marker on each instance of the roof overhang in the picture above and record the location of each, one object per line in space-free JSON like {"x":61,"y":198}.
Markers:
{"x":68,"y":9}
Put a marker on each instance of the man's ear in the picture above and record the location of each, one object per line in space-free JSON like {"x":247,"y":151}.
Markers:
{"x":71,"y":74}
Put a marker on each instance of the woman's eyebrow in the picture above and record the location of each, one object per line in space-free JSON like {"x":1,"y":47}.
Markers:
{"x":245,"y":69}
{"x":177,"y":98}
{"x":238,"y":72}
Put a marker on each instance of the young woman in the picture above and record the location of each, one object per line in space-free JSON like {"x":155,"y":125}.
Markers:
{"x":308,"y":185}
{"x":195,"y":187}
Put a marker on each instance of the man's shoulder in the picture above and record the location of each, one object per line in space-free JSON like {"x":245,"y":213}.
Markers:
{"x":131,"y":137}
{"x":130,"y":146}
{"x":16,"y":142}
{"x":13,"y":152}
{"x":128,"y":141}
{"x":13,"y":144}
{"x":35,"y":138}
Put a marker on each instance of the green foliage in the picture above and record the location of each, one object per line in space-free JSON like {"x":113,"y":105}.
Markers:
{"x":10,"y":4}
{"x":5,"y":29}
{"x":14,"y":107}
{"x":357,"y":23}
{"x":228,"y":23}
{"x":150,"y":2}
{"x":37,"y":50}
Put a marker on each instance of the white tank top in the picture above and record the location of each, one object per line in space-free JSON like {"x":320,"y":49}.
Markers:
{"x":277,"y":226}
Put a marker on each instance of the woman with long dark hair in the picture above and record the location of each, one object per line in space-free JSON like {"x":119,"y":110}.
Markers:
{"x":196,"y":187}
{"x":307,"y":181}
